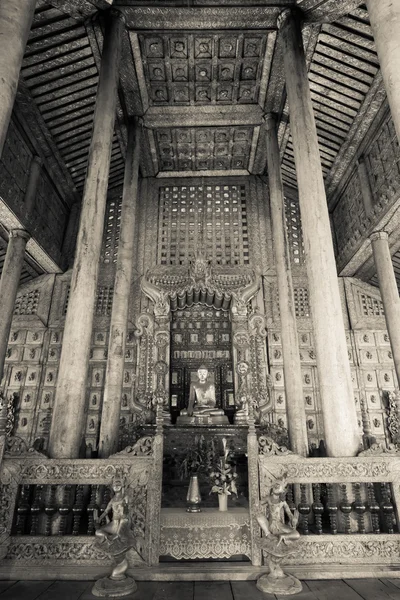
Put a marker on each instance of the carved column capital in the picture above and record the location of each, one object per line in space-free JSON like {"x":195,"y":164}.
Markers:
{"x":379,"y":235}
{"x":284,"y":17}
{"x":37,"y":160}
{"x":22,"y":233}
{"x":117,"y":14}
{"x":270,"y":120}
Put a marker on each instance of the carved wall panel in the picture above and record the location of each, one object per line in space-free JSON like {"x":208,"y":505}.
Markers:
{"x":51,"y":212}
{"x":383,"y":164}
{"x":349,"y":217}
{"x":373,"y":376}
{"x":278,"y":415}
{"x":34,"y":352}
{"x":371,"y":363}
{"x":351,"y":223}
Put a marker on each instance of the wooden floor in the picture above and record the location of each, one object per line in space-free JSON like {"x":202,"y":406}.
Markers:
{"x":351,"y":589}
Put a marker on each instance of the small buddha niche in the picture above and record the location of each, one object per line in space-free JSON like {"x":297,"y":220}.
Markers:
{"x":201,"y":390}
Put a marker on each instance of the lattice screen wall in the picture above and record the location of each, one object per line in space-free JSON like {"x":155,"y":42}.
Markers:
{"x":371,"y":307}
{"x":205,"y":217}
{"x":294,"y":232}
{"x":103,"y":301}
{"x":112,"y":226}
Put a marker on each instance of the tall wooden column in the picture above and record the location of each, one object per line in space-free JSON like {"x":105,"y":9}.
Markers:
{"x":70,"y":401}
{"x":14,"y":261}
{"x":389,"y":293}
{"x":338,"y":406}
{"x":70,"y":235}
{"x":290,"y":344}
{"x":15,"y":23}
{"x":120,"y":308}
{"x":366,"y":192}
{"x":385,"y":22}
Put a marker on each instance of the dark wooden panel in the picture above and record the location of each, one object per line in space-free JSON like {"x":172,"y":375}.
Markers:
{"x":65,"y":590}
{"x":4,"y":585}
{"x":333,"y":590}
{"x":174,"y":590}
{"x":373,"y":589}
{"x":246,"y":590}
{"x":25,"y":590}
{"x":212,"y":590}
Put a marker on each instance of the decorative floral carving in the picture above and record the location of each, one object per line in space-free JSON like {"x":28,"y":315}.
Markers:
{"x":378,"y":449}
{"x":161,"y":367}
{"x":6,"y":503}
{"x":241,"y":339}
{"x":143,"y":447}
{"x":16,"y":446}
{"x":162,"y":340}
{"x":268,"y":447}
{"x":45,"y":550}
{"x":80,"y":471}
{"x":393,"y":420}
{"x":363,"y":548}
{"x":330,"y":470}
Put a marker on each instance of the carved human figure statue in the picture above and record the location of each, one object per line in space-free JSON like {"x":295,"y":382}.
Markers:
{"x":273,"y":522}
{"x":202,"y":396}
{"x":118,"y":505}
{"x":280,"y":541}
{"x":116,"y":536}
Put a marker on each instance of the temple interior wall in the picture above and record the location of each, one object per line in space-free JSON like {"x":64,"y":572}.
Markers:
{"x":37,"y":330}
{"x":51,"y":209}
{"x":351,"y":221}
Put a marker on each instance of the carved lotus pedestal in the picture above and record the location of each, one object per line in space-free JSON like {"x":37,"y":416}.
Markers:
{"x":277,"y":581}
{"x":118,"y":584}
{"x":114,"y":588}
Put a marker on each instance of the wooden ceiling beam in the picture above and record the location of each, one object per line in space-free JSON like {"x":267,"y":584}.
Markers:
{"x":198,"y":116}
{"x":264,"y":17}
{"x":321,"y":11}
{"x":81,"y":9}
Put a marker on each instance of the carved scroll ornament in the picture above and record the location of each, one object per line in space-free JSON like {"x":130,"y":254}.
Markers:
{"x":200,"y":283}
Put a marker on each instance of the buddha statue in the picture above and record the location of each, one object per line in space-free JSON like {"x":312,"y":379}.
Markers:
{"x":202,"y":403}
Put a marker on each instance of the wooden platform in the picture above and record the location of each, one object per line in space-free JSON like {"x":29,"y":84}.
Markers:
{"x":354,"y":589}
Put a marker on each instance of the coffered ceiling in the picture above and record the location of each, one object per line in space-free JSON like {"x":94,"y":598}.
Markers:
{"x":201,"y":78}
{"x":208,"y":68}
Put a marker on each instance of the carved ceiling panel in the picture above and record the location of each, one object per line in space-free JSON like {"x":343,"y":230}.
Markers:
{"x":204,"y":68}
{"x":203,"y":148}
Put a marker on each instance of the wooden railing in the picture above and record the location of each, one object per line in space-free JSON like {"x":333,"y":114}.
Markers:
{"x":349,"y":515}
{"x":349,"y":510}
{"x":47,"y":506}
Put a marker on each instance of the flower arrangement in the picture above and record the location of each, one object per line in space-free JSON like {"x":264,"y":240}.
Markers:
{"x":198,"y":458}
{"x":222,"y":474}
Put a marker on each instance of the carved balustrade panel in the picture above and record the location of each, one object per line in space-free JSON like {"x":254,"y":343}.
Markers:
{"x":49,"y":507}
{"x":337,"y":496}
